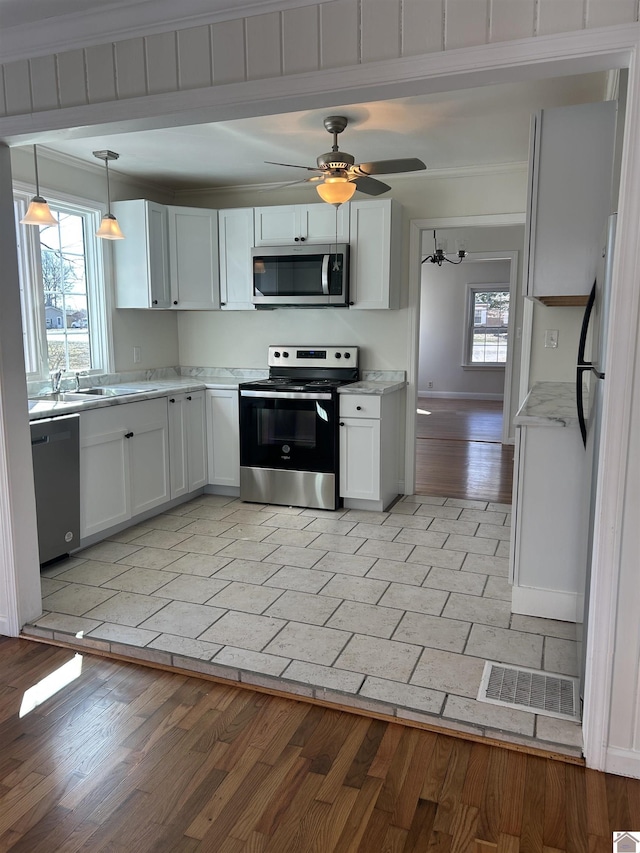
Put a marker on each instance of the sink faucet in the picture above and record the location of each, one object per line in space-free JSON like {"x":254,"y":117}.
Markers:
{"x":77,"y":381}
{"x":56,"y":380}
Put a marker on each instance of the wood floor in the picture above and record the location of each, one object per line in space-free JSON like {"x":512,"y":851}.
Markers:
{"x":127,"y":758}
{"x":459,"y":452}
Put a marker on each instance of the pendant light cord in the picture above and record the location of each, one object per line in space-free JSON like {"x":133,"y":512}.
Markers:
{"x":35,"y":164}
{"x":106,"y":163}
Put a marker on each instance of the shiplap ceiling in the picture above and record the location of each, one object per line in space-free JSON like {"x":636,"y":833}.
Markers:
{"x":478,"y":127}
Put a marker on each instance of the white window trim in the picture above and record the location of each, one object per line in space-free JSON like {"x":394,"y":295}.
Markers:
{"x":98,"y":262}
{"x":467,"y":342}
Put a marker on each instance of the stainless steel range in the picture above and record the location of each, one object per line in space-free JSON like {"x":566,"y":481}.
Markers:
{"x":289,"y":426}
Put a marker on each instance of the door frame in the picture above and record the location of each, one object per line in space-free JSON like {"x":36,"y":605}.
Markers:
{"x":417,"y":229}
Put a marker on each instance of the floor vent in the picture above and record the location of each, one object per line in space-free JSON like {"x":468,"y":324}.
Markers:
{"x":530,"y":690}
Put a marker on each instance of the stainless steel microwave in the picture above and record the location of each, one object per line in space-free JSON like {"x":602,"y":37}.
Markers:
{"x":311,"y":276}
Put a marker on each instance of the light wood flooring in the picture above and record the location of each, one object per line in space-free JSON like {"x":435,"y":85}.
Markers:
{"x":459,"y":452}
{"x":127,"y":758}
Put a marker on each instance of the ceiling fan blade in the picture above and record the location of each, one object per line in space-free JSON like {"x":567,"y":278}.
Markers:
{"x":370,"y":186}
{"x":293,"y":166}
{"x":390,"y":167}
{"x":312,"y":180}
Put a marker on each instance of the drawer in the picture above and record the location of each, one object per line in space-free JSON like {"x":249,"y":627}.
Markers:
{"x":360,"y":405}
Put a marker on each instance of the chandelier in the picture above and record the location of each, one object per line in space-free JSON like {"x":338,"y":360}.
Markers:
{"x":439,"y":256}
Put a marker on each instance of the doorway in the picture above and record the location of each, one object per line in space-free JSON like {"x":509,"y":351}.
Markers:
{"x":463,"y":431}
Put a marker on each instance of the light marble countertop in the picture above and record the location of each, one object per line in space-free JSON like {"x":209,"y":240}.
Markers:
{"x":371,"y":387}
{"x":549,"y":404}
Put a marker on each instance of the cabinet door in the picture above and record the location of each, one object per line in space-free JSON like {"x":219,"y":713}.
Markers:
{"x":193,"y":256}
{"x":375,"y":254}
{"x":104,"y":475}
{"x":178,"y":444}
{"x":149,"y":465}
{"x":323,"y":223}
{"x":141,"y":261}
{"x":276,"y":226}
{"x":570,"y":177}
{"x":196,"y":439}
{"x":223,"y":437}
{"x":235,"y":241}
{"x":360,"y":458}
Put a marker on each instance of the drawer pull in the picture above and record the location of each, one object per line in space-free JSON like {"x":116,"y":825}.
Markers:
{"x":128,"y":435}
{"x":358,"y":408}
{"x":341,"y":423}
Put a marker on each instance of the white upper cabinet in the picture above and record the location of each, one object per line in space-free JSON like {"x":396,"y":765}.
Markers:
{"x":375,"y":253}
{"x":193,"y":258}
{"x":169,"y":257}
{"x":141,"y":261}
{"x":570,"y":183}
{"x":293,"y":223}
{"x":235,"y":241}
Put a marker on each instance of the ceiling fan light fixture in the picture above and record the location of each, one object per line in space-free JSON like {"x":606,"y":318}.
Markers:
{"x":109,"y":228}
{"x":38,"y":212}
{"x":336,"y":190}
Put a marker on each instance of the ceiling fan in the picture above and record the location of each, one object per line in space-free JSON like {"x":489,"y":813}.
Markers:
{"x":339,"y":174}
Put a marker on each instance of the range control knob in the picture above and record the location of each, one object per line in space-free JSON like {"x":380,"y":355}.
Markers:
{"x":347,"y":355}
{"x":276,"y":354}
{"x":285,"y":354}
{"x":338,"y":355}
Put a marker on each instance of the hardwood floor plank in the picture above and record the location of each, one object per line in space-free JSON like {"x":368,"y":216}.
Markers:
{"x":161,"y":763}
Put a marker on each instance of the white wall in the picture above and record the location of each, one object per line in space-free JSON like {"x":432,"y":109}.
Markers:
{"x":555,"y":364}
{"x":443,"y":321}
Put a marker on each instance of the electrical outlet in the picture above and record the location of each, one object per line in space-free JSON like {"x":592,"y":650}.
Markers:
{"x":137,"y":355}
{"x":429,"y":384}
{"x":551,"y":338}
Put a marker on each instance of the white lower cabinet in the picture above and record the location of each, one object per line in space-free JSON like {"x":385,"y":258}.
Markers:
{"x":187,"y":442}
{"x":124,"y":463}
{"x":223,"y":437}
{"x":369,"y":450}
{"x":548,"y":548}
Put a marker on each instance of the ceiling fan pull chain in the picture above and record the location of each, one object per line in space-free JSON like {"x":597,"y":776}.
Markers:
{"x":336,"y":265}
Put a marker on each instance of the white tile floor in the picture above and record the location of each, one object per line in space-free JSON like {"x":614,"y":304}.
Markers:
{"x":394,"y":611}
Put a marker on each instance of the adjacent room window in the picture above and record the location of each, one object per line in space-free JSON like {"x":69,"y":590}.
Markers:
{"x":487,"y":325}
{"x":64,"y":312}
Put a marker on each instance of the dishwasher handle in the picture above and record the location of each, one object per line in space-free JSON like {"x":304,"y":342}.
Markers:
{"x":50,"y":438}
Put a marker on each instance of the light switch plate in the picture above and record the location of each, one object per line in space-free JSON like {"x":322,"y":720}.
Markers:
{"x":551,"y":338}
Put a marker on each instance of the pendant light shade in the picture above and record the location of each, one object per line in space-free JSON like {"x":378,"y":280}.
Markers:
{"x":336,"y":190}
{"x":109,"y":228}
{"x":38,"y":212}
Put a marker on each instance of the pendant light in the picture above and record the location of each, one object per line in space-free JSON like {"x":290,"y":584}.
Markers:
{"x":336,"y":189}
{"x":439,"y":255}
{"x":38,"y":212}
{"x":109,"y":228}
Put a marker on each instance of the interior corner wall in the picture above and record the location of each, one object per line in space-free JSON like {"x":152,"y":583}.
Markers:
{"x":554,"y":364}
{"x":443,"y":319}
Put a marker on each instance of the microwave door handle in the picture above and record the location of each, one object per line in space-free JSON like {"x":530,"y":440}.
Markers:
{"x":325,"y":274}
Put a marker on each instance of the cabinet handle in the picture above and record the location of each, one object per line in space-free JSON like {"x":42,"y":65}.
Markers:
{"x":297,"y":239}
{"x":341,"y":423}
{"x":188,"y":398}
{"x":172,"y":400}
{"x":222,"y":304}
{"x":302,"y":239}
{"x":128,"y":435}
{"x":358,"y":408}
{"x":155,"y":302}
{"x":352,"y":303}
{"x":175,"y":301}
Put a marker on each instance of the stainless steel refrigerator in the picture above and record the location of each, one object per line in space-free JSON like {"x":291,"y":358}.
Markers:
{"x":590,"y":379}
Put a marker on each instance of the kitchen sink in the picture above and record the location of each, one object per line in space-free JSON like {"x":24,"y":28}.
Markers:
{"x":83,"y":394}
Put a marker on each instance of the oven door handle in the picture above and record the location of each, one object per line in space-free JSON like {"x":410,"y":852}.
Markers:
{"x":286,"y":395}
{"x":325,"y":274}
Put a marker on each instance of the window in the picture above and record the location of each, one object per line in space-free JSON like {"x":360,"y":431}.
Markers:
{"x":64,"y":311}
{"x":487,"y":326}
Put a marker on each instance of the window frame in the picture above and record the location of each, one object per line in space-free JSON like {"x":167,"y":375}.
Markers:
{"x":98,"y":273}
{"x":467,"y":352}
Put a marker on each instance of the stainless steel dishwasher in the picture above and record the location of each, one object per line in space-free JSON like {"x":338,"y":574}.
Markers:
{"x":55,"y":445}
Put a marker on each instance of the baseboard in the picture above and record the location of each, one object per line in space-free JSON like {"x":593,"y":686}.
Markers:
{"x":460,"y":395}
{"x":547,"y":603}
{"x":623,"y":762}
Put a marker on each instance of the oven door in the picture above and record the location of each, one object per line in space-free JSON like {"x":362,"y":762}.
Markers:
{"x":288,"y":430}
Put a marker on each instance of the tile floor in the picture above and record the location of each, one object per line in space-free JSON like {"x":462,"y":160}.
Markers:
{"x":391,"y":611}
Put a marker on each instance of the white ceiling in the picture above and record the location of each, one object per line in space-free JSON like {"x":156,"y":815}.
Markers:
{"x":475,"y":127}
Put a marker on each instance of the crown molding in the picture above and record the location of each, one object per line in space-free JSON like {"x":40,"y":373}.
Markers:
{"x":104,"y":24}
